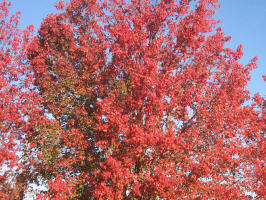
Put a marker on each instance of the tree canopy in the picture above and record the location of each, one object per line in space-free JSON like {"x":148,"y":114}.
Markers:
{"x":137,"y":99}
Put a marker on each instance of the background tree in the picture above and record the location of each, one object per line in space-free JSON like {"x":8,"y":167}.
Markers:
{"x":142,"y":100}
{"x":15,"y":91}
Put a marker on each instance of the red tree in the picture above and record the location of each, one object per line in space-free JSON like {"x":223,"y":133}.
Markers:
{"x":141,"y":100}
{"x":15,"y":82}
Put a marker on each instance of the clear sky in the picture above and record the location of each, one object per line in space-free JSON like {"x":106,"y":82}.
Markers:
{"x":244,"y":20}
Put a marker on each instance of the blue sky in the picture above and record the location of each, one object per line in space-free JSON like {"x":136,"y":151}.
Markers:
{"x":244,"y":20}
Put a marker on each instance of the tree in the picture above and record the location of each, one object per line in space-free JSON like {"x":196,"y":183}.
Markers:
{"x":15,"y":82}
{"x":142,"y":100}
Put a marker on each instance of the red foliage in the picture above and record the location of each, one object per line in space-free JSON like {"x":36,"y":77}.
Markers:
{"x":141,"y":100}
{"x":15,"y":81}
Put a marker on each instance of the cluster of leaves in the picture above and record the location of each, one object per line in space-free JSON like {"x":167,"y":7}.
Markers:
{"x":131,"y":99}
